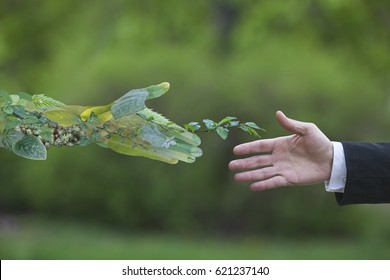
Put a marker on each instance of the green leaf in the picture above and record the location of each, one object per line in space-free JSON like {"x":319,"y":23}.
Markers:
{"x":227,"y":120}
{"x":103,"y":113}
{"x":11,"y":122}
{"x":86,"y":141}
{"x":169,"y":142}
{"x":30,"y":120}
{"x":10,"y":137}
{"x":30,"y":147}
{"x":5,"y":98}
{"x":157,"y":90}
{"x":46,"y":133}
{"x":25,"y":96}
{"x":253,"y":125}
{"x":131,"y":103}
{"x":151,"y":134}
{"x":100,"y":142}
{"x":43,"y":101}
{"x":233,"y":123}
{"x":145,"y":117}
{"x":8,"y":110}
{"x":19,"y":111}
{"x":223,"y":132}
{"x":192,"y":126}
{"x":251,"y":131}
{"x":211,"y":125}
{"x":15,"y":99}
{"x":93,"y":118}
{"x":62,"y":117}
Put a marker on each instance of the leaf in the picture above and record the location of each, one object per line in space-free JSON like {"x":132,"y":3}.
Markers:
{"x":211,"y":125}
{"x":93,"y":118}
{"x":43,"y":101}
{"x":8,"y":110}
{"x":61,"y":117}
{"x":134,"y":101}
{"x":171,"y":128}
{"x":192,"y":126}
{"x":253,"y":132}
{"x":253,"y":125}
{"x":151,"y":134}
{"x":249,"y":130}
{"x":157,"y":90}
{"x":30,"y":120}
{"x":227,"y":120}
{"x":46,"y":133}
{"x":131,"y":103}
{"x":20,"y":111}
{"x":10,"y":137}
{"x":25,"y":96}
{"x":223,"y":132}
{"x":85,"y":141}
{"x":103,"y":113}
{"x":5,"y":98}
{"x":128,"y":147}
{"x":11,"y":122}
{"x":30,"y":147}
{"x":15,"y":99}
{"x":169,"y":142}
{"x":233,"y":123}
{"x":101,"y":143}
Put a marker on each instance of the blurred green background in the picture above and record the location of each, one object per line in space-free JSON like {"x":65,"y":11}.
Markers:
{"x":323,"y":61}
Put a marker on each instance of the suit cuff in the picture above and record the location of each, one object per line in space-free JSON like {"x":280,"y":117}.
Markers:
{"x":339,"y":170}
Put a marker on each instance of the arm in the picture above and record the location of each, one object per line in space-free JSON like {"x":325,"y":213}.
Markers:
{"x":303,"y":158}
{"x":306,"y":157}
{"x":368,"y":173}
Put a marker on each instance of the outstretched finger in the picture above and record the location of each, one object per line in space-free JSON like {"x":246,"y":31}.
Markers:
{"x":255,"y":175}
{"x":270,"y":183}
{"x":251,"y":162}
{"x":258,"y":146}
{"x":291,"y":125}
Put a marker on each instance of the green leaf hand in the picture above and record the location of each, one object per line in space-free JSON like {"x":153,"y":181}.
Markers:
{"x":29,"y":125}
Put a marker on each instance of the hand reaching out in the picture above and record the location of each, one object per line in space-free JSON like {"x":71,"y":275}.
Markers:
{"x":303,"y":158}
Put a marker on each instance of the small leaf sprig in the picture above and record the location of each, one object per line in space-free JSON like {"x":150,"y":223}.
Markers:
{"x":223,"y":127}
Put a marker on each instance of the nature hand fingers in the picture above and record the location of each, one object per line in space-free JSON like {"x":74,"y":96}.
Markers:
{"x":134,"y":101}
{"x":157,"y":90}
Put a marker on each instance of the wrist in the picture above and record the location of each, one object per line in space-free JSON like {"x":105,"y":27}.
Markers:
{"x":329,"y":161}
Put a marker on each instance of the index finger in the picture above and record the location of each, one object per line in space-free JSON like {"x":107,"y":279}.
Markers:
{"x":258,"y":146}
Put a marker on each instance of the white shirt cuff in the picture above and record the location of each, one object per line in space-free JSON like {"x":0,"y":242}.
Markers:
{"x":338,"y":176}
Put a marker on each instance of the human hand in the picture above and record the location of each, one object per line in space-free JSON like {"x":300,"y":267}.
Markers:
{"x":303,"y":158}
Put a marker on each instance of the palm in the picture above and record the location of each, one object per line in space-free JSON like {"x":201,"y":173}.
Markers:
{"x":299,"y":159}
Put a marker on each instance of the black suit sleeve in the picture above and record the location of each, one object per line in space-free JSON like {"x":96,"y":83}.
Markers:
{"x":368,"y":173}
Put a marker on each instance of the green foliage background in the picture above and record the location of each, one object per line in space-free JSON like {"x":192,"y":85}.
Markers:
{"x":323,"y":61}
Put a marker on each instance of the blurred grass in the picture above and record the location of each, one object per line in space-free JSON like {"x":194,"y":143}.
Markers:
{"x":43,"y":238}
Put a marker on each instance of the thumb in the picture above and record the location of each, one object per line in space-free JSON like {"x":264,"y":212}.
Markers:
{"x":291,"y":125}
{"x":157,"y":90}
